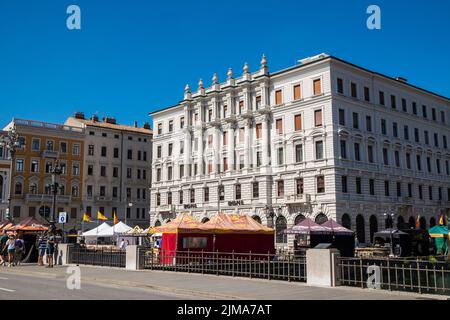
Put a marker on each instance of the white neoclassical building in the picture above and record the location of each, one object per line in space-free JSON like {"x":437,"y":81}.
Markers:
{"x":322,"y":139}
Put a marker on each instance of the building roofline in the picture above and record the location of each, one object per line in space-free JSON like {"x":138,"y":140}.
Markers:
{"x":330,"y":57}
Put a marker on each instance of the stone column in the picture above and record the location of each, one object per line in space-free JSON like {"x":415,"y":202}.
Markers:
{"x":231,"y":164}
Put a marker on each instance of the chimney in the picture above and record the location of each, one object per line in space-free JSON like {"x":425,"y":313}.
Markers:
{"x":135,"y":124}
{"x":146,"y":126}
{"x":79,"y":115}
{"x":110,"y":120}
{"x":94,"y":118}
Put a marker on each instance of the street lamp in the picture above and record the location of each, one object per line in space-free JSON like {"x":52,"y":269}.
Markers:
{"x":56,"y":172}
{"x":390,"y":219}
{"x":11,"y":142}
{"x":130,"y":204}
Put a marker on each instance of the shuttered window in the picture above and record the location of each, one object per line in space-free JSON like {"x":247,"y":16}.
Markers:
{"x":225,"y":164}
{"x":318,"y":118}
{"x":278,"y":97}
{"x":297,"y":92}
{"x":298,"y":122}
{"x":225,"y":141}
{"x":279,"y":125}
{"x":317,"y":87}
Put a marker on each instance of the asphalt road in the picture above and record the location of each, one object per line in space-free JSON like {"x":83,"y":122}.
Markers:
{"x":31,"y":287}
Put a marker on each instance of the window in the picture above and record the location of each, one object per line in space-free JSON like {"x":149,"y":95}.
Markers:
{"x":383,"y":127}
{"x":171,"y":126}
{"x":102,"y":192}
{"x":192,"y":195}
{"x":129,"y":173}
{"x":221,"y":191}
{"x":170,"y":149}
{"x":280,"y":188}
{"x":444,"y":141}
{"x":344,"y":184}
{"x":342,"y":117}
{"x":409,"y":190}
{"x":279,"y":126}
{"x":116,"y":153}
{"x":255,"y":190}
{"x":130,"y":154}
{"x":280,"y":156}
{"x":420,"y":192}
{"x":258,"y":102}
{"x":18,"y":188}
{"x":416,"y":135}
{"x":90,"y":170}
{"x":298,"y":153}
{"x":424,"y":111}
{"x":385,"y":157}
{"x":414,"y":108}
{"x":298,"y":122}
{"x":395,"y":129}
{"x":393,"y":102}
{"x":419,"y":163}
{"x":278,"y":97}
{"x":116,"y":172}
{"x":358,"y":185}
{"x":158,"y":174}
{"x":355,"y":120}
{"x":343,"y":145}
{"x":259,"y":130}
{"x":399,"y":189}
{"x":317,"y":87}
{"x":397,"y":158}
{"x":49,"y":145}
{"x":103,"y":151}
{"x":181,"y":122}
{"x":76,"y":149}
{"x":19,"y":165}
{"x":372,"y":187}
{"x":297,"y":92}
{"x":408,"y":160}
{"x":169,"y":198}
{"x":63,"y":147}
{"x":386,"y":188}
{"x":318,"y":118}
{"x":430,"y":192}
{"x":159,"y":128}
{"x":438,"y":166}
{"x":237,"y":189}
{"x":159,"y":152}
{"x":319,"y":150}
{"x":369,"y":123}
{"x":357,"y":151}
{"x":406,"y":132}
{"x":299,"y":186}
{"x":381,"y":97}
{"x":210,"y":166}
{"x":75,"y":169}
{"x":180,"y":197}
{"x":427,"y":138}
{"x":404,"y":107}
{"x":370,"y":153}
{"x":428,"y":164}
{"x":320,"y":184}
{"x":225,"y":164}
{"x":103,"y":171}
{"x":436,"y":140}
{"x":91,"y":150}
{"x":48,"y":167}
{"x":340,"y":86}
{"x":225,"y":138}
{"x":34,"y":166}
{"x":353,"y":89}
{"x":225,"y":111}
{"x":241,"y":106}
{"x":206,"y":194}
{"x":36,"y":145}
{"x":366,"y":94}
{"x":241,"y":134}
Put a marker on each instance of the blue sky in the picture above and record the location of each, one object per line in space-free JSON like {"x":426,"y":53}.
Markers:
{"x":135,"y":56}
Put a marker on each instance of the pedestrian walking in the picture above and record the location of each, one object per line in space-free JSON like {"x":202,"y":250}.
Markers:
{"x":50,"y":250}
{"x":3,"y":239}
{"x":11,"y":247}
{"x":20,"y":249}
{"x":41,"y":244}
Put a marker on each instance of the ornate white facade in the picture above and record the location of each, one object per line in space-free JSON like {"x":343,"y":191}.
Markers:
{"x":322,"y":139}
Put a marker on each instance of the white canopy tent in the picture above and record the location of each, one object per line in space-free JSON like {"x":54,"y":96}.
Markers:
{"x":105,"y":231}
{"x":96,"y":231}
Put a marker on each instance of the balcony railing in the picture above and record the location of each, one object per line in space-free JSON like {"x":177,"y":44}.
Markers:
{"x":50,"y":154}
{"x":47,"y":198}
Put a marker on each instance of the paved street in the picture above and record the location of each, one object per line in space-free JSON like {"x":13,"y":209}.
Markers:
{"x":33,"y":282}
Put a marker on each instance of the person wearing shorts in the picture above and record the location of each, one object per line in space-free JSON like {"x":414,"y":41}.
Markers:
{"x":11,"y":247}
{"x":50,"y":249}
{"x":42,"y":248}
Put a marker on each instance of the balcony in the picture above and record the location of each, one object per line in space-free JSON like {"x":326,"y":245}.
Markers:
{"x":298,"y":198}
{"x":50,"y":154}
{"x":47,"y":198}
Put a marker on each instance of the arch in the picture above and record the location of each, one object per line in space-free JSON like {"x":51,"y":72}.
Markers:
{"x":157,"y":223}
{"x":346,"y":221}
{"x":321,"y":218}
{"x":432,"y":222}
{"x":411,"y":223}
{"x":360,"y":229}
{"x":280,"y":226}
{"x":299,"y":218}
{"x":205,"y":220}
{"x":373,"y":226}
{"x":423,"y":223}
{"x":400,"y":223}
{"x":256,"y":218}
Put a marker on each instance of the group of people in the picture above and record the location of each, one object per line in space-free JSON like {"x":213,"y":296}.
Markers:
{"x":12,"y":248}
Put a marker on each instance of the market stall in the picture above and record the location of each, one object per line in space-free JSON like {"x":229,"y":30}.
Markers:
{"x":343,"y":238}
{"x":440,"y":234}
{"x":308,"y":234}
{"x":401,"y":241}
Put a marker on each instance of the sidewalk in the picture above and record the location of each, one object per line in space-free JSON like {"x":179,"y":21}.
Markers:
{"x":215,"y":287}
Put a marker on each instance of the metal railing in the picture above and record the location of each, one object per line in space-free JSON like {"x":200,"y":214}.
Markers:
{"x":262,"y":266}
{"x":421,"y":276}
{"x":107,"y":257}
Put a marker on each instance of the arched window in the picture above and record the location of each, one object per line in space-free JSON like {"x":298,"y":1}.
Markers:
{"x":423,"y":223}
{"x":256,"y":218}
{"x":157,"y":223}
{"x":75,"y":191}
{"x":346,"y":221}
{"x":411,"y":223}
{"x":400,"y":223}
{"x":18,"y":188}
{"x":280,"y":226}
{"x":432,"y":222}
{"x":360,"y":229}
{"x":373,"y":226}
{"x":205,"y":219}
{"x":299,"y":219}
{"x":321,"y":218}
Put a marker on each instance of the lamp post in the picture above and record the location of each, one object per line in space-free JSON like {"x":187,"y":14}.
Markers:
{"x":11,"y":142}
{"x":130,"y":204}
{"x":56,"y":172}
{"x":390,"y":218}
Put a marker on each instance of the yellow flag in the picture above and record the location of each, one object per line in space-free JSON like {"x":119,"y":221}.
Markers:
{"x":116,"y":221}
{"x":86,"y":218}
{"x":100,"y":216}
